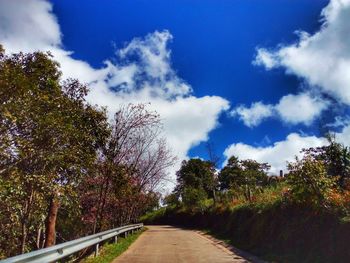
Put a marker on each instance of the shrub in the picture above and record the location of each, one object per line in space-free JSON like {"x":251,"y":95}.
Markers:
{"x":309,"y":182}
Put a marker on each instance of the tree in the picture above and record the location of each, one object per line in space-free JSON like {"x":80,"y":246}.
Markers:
{"x":254,"y":177}
{"x":230,"y":174}
{"x":194,"y":198}
{"x":309,"y":181}
{"x":335,"y":157}
{"x":131,"y":164}
{"x":245,"y":176}
{"x":171,"y":199}
{"x":196,"y":174}
{"x":49,"y":135}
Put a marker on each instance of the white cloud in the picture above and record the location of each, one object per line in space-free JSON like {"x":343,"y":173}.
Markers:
{"x":344,"y":136}
{"x":323,"y":58}
{"x":34,"y":28}
{"x":300,"y":108}
{"x":277,"y":154}
{"x":266,"y":58}
{"x":140,"y":72}
{"x":281,"y":152}
{"x":253,"y":115}
{"x":291,"y":109}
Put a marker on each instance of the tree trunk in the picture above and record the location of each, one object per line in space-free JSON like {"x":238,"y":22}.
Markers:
{"x":38,"y":238}
{"x":24,"y":227}
{"x":24,"y":237}
{"x":214,"y":196}
{"x":50,"y":234}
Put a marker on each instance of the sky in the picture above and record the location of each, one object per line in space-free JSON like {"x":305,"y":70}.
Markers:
{"x":259,"y":79}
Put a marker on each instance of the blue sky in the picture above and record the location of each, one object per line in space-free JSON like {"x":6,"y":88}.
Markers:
{"x":213,"y":48}
{"x":236,"y":73}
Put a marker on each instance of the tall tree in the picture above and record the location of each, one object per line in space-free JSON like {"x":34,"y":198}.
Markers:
{"x":231,"y":173}
{"x":131,"y":163}
{"x":335,"y":157}
{"x":48,"y":132}
{"x":196,"y":174}
{"x":243,"y":176}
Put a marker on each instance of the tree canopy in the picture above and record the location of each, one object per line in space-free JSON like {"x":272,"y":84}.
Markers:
{"x":62,"y":161}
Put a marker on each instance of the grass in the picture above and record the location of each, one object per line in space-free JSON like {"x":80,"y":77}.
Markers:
{"x":110,"y":251}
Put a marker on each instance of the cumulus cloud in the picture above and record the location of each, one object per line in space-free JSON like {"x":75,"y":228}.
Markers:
{"x":252,"y":116}
{"x":279,"y":153}
{"x":139,"y":72}
{"x":35,"y":27}
{"x":322,"y":58}
{"x":292,"y":109}
{"x":300,"y":108}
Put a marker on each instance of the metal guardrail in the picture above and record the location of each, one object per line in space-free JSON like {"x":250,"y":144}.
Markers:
{"x":65,"y":249}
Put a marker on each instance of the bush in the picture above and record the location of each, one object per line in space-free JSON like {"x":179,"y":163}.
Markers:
{"x":309,"y":182}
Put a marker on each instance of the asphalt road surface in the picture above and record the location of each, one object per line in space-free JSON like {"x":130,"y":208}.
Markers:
{"x":167,"y":244}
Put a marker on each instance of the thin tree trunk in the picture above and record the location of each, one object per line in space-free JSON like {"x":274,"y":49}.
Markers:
{"x":24,"y":237}
{"x":214,"y":196}
{"x":98,"y":209}
{"x":24,"y":227}
{"x":38,"y":238}
{"x":50,"y":235}
{"x":101,"y":214}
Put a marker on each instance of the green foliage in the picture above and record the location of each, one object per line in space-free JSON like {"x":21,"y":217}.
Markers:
{"x":302,"y":217}
{"x":171,"y":200}
{"x":245,"y":177}
{"x":196,"y":174}
{"x":62,"y":160}
{"x":309,"y":182}
{"x":153,"y":215}
{"x":336,"y":159}
{"x":194,"y":198}
{"x":48,"y":140}
{"x":230,"y":174}
{"x":109,"y":252}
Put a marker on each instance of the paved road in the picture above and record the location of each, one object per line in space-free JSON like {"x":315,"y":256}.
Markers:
{"x":167,"y":244}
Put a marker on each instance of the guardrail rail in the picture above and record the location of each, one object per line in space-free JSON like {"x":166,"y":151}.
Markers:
{"x":65,"y":249}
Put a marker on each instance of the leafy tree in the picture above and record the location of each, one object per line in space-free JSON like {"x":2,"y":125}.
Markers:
{"x":309,"y":181}
{"x":48,"y":137}
{"x":194,"y":198}
{"x":245,"y":176}
{"x":335,"y":157}
{"x":57,"y":150}
{"x":196,"y":174}
{"x":171,"y":199}
{"x":230,"y":174}
{"x":254,"y":177}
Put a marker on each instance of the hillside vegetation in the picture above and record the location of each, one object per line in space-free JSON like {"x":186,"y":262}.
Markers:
{"x":301,"y":217}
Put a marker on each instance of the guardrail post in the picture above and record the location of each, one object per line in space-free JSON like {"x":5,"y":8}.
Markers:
{"x":116,"y":239}
{"x":97,"y":249}
{"x":125,"y":234}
